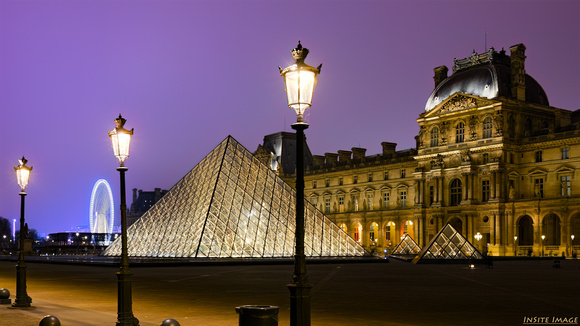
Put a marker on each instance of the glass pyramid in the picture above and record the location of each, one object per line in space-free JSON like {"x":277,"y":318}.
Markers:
{"x":448,"y":244}
{"x":407,"y":246}
{"x":232,"y":205}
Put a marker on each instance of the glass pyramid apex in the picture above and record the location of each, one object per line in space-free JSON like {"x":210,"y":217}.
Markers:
{"x":448,"y":244}
{"x":407,"y":246}
{"x":232,"y":205}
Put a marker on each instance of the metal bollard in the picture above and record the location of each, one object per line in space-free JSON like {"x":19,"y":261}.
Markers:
{"x":251,"y":315}
{"x":49,"y":321}
{"x":5,"y":296}
{"x":170,"y":322}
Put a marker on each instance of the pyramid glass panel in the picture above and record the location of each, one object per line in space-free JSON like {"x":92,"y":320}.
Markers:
{"x":448,"y":244}
{"x":407,"y":246}
{"x":231,"y":205}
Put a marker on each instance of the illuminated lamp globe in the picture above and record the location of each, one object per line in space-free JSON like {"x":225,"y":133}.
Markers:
{"x":300,"y":80}
{"x":22,"y":173}
{"x":120,"y":140}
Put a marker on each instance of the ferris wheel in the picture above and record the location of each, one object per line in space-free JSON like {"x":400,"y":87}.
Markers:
{"x":102,"y":208}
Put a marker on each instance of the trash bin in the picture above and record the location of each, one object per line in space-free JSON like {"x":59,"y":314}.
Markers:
{"x":252,"y":315}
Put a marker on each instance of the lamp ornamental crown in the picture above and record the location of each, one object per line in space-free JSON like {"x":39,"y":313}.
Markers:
{"x":120,"y":122}
{"x":299,"y":53}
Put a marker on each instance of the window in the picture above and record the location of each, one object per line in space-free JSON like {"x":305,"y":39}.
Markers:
{"x":370,"y":177}
{"x":539,"y":188}
{"x":372,"y":232}
{"x":565,"y":185}
{"x":455,"y":192}
{"x":388,"y":232}
{"x":327,"y":205}
{"x":487,"y":128}
{"x":327,"y":182}
{"x":539,"y":156}
{"x":485,"y":159}
{"x":386,"y":175}
{"x":370,"y":201}
{"x":355,"y":179}
{"x":403,"y":172}
{"x":431,"y":194}
{"x":341,"y":204}
{"x":315,"y":202}
{"x":460,"y":132}
{"x":340,"y":181}
{"x":357,"y":234}
{"x":403,"y":197}
{"x":435,"y":137}
{"x":565,"y":153}
{"x":314,"y":184}
{"x":485,"y":190}
{"x":386,"y":196}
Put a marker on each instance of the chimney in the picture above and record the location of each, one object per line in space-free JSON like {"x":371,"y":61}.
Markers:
{"x":358,"y":153}
{"x":388,"y":148}
{"x":518,"y":69}
{"x":134,"y":194}
{"x":440,"y":74}
{"x":317,"y":160}
{"x":331,"y":158}
{"x":344,"y":156}
{"x":157,"y":194}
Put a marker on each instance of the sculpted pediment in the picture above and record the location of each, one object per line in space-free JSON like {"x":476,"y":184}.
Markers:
{"x":458,"y":102}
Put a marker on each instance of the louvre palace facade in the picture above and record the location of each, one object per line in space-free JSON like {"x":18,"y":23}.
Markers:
{"x":492,"y":158}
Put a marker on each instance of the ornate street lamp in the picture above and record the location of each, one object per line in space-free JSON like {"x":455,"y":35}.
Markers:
{"x":543,"y":238}
{"x":22,"y":177}
{"x":120,"y":139}
{"x":300,"y":80}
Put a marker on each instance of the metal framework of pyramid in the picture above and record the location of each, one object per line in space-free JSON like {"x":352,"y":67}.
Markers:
{"x":448,"y":244}
{"x":232,"y":205}
{"x":407,"y":246}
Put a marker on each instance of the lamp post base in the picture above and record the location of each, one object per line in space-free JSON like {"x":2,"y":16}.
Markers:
{"x":125,"y":306}
{"x":22,"y":299}
{"x":299,"y":304}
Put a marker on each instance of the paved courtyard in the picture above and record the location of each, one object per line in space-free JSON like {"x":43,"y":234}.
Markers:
{"x":397,"y":293}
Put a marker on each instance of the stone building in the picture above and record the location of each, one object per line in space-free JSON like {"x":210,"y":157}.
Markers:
{"x":492,"y":157}
{"x":142,"y":201}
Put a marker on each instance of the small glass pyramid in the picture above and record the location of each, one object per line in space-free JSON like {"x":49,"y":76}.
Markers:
{"x":407,"y":246}
{"x":448,"y":244}
{"x":232,"y":205}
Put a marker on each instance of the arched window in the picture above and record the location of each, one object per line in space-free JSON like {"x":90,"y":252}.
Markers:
{"x":357,"y":232}
{"x":343,"y":227}
{"x":487,"y":128}
{"x":455,"y":192}
{"x":460,"y":132}
{"x":372,"y":230}
{"x":434,"y":137}
{"x":551,"y":228}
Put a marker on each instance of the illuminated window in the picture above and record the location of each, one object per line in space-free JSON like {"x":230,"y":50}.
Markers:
{"x":460,"y":132}
{"x":485,"y":190}
{"x":327,"y":205}
{"x":539,"y":156}
{"x":386,"y":200}
{"x":565,"y":153}
{"x":435,"y":137}
{"x":539,"y":188}
{"x":487,"y":128}
{"x":372,"y":232}
{"x":565,"y":185}
{"x":455,"y":192}
{"x":403,"y":197}
{"x":341,"y":204}
{"x":357,"y":233}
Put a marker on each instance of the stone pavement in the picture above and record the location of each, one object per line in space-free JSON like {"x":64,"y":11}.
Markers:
{"x":397,"y":293}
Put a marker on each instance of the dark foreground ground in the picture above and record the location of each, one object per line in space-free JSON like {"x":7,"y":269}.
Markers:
{"x":397,"y":293}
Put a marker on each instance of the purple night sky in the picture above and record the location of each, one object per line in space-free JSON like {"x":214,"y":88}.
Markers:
{"x":185,"y":74}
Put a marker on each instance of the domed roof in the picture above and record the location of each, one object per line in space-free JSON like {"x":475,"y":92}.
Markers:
{"x":484,"y":77}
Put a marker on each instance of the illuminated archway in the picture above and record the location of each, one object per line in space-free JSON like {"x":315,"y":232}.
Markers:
{"x":407,"y":228}
{"x":357,"y":232}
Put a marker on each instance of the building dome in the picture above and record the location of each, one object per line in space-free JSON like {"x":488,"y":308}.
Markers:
{"x":486,"y":75}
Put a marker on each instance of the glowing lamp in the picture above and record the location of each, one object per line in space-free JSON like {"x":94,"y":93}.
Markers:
{"x":22,"y":173}
{"x":543,"y":237}
{"x":300,"y":80}
{"x":478,"y":236}
{"x":120,"y":140}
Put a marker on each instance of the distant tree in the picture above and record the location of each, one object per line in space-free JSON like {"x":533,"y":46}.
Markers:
{"x":5,"y":228}
{"x":32,"y":234}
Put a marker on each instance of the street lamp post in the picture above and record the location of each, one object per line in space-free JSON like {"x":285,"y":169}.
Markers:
{"x":543,"y":238}
{"x":515,"y":242}
{"x":300,"y":80}
{"x":120,"y":139}
{"x":572,"y":244}
{"x":22,"y":298}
